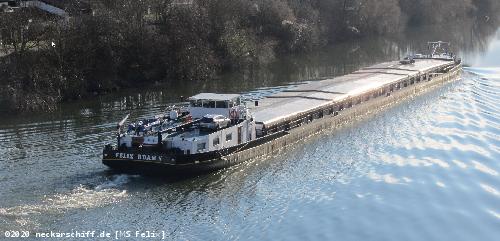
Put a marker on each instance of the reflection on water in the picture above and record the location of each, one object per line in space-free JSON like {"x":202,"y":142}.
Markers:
{"x":425,"y":169}
{"x":470,"y":39}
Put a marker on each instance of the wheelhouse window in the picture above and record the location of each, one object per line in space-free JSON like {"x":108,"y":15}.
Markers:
{"x":216,"y":141}
{"x":221,"y":104}
{"x":208,"y":104}
{"x":195,"y":103}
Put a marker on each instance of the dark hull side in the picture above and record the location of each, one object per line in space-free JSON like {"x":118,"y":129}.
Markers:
{"x":153,"y":168}
{"x":151,"y":162}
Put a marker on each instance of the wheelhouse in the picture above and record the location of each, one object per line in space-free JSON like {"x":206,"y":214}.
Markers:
{"x":212,"y":103}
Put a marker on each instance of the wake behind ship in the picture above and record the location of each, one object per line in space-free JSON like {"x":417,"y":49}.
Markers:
{"x":214,"y":131}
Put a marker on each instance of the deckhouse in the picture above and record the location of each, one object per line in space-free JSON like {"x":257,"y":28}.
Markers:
{"x":194,"y":139}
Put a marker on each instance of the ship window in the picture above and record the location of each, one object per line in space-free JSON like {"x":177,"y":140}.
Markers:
{"x":201,"y":146}
{"x":216,"y":141}
{"x":221,"y":104}
{"x":229,"y":136}
{"x":209,"y":104}
{"x":195,"y":103}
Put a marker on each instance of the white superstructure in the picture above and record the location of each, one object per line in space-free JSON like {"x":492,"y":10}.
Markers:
{"x":190,"y":136}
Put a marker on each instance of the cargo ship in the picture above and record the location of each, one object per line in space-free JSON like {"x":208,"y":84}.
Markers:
{"x":213,"y":131}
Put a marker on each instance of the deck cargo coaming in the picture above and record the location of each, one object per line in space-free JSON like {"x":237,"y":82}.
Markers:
{"x":346,"y":115}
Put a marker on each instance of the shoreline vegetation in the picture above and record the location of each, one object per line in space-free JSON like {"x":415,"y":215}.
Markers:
{"x":106,"y":45}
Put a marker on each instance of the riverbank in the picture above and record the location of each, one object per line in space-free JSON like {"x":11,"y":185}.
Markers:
{"x":124,"y":44}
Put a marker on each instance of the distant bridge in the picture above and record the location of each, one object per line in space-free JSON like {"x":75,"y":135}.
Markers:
{"x":62,"y":8}
{"x":45,"y":7}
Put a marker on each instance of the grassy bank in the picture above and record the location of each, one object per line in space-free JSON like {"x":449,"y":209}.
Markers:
{"x":126,"y":43}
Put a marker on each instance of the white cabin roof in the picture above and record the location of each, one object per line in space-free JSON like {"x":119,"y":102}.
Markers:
{"x":214,"y":96}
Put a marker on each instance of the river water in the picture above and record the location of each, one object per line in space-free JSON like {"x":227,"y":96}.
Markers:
{"x":424,"y":169}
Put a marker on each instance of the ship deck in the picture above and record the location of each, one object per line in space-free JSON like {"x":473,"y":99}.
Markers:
{"x":318,"y":93}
